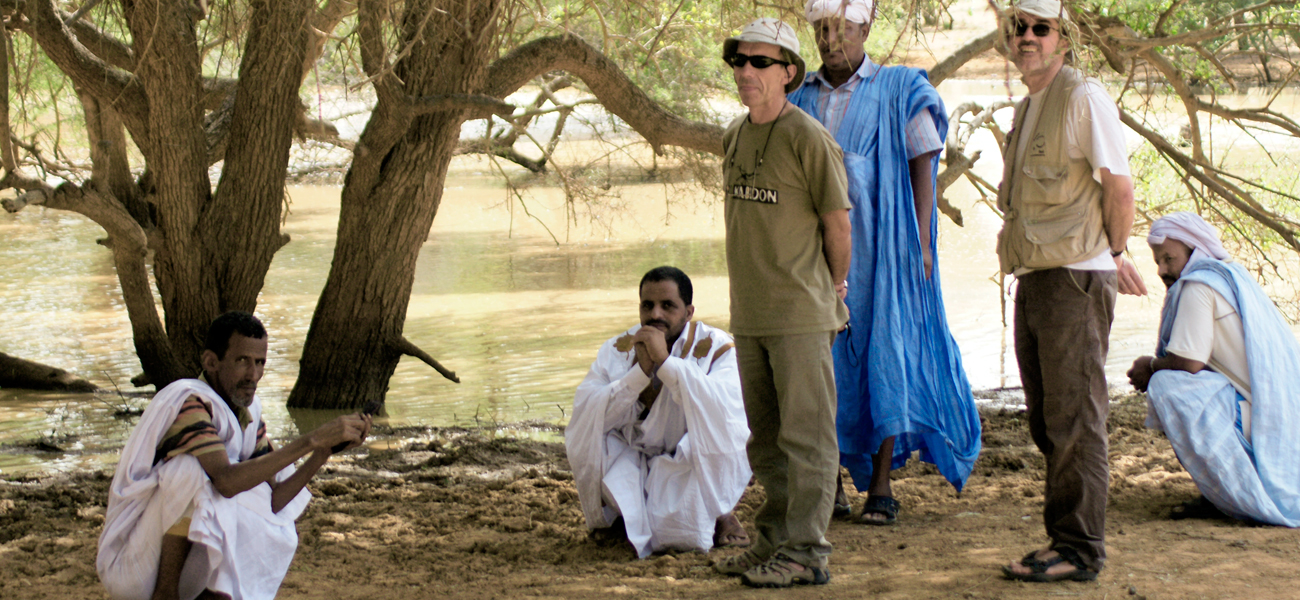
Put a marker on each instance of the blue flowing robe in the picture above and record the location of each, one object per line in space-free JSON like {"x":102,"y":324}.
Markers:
{"x":1256,"y":479}
{"x":898,"y":370}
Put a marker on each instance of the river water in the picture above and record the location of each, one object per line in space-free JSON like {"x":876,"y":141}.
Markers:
{"x":496,"y":299}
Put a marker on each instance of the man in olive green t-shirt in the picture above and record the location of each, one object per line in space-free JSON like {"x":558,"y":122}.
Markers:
{"x":788,"y":256}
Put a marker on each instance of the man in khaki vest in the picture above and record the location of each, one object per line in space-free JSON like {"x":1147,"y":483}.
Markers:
{"x":1067,"y":202}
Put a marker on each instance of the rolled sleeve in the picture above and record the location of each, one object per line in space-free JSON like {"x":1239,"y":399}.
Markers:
{"x":922,"y":136}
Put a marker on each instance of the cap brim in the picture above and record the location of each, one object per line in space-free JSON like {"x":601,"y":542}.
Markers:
{"x":799,"y":74}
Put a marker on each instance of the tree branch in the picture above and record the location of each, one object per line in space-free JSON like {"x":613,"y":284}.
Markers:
{"x":1159,"y":28}
{"x":946,"y":67}
{"x":374,"y":53}
{"x":1258,"y":115}
{"x":497,"y":148}
{"x":81,"y":12}
{"x":405,"y":346}
{"x":607,"y":81}
{"x":90,"y":74}
{"x":325,"y":20}
{"x":480,"y":107}
{"x":1192,"y":168}
{"x":958,"y":164}
{"x":100,"y":43}
{"x":24,"y":374}
{"x":389,"y":119}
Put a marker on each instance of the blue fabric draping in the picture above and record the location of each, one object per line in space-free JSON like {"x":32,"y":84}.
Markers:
{"x":898,"y":370}
{"x":1256,"y":479}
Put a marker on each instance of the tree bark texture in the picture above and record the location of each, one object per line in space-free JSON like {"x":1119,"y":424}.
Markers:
{"x":168,"y":69}
{"x":241,"y":228}
{"x":391,"y":195}
{"x":108,"y":155}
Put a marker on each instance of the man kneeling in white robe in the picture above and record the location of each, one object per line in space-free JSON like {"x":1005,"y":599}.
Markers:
{"x":658,"y":433}
{"x":201,"y":504}
{"x":1223,"y":384}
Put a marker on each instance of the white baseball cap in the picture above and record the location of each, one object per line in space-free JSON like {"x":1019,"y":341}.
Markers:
{"x":770,"y":31}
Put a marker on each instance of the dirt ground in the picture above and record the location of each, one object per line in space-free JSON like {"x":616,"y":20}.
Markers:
{"x":463,"y":514}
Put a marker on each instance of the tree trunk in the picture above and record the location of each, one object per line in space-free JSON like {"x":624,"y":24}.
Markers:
{"x":168,"y":70}
{"x":241,"y":228}
{"x":108,"y":156}
{"x":24,"y":374}
{"x":390,"y":198}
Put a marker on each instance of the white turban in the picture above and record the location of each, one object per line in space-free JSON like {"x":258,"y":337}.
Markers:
{"x":1191,"y":229}
{"x":1043,"y":9}
{"x":854,"y":11}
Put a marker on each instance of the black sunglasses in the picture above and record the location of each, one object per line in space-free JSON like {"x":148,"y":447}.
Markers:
{"x":760,"y":62}
{"x":1018,"y":28}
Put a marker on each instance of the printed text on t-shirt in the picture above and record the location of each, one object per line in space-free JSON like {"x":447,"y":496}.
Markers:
{"x":753,"y":194}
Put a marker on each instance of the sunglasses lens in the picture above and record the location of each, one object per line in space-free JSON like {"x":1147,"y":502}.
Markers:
{"x":1039,"y":29}
{"x":760,"y":62}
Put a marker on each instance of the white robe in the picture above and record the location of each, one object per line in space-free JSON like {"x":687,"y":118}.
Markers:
{"x":672,"y":475}
{"x":240,"y":547}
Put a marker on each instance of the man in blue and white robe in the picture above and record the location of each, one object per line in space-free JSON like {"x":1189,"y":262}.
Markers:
{"x":898,"y":371}
{"x":1225,"y":382}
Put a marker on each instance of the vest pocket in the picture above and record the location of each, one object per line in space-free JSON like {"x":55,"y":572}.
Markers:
{"x":1055,"y":240}
{"x":1046,"y":183}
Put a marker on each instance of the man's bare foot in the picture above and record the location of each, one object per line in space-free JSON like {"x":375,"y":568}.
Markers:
{"x":842,"y":507}
{"x":729,"y":533}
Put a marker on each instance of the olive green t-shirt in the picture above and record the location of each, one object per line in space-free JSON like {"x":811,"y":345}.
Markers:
{"x":780,"y":178}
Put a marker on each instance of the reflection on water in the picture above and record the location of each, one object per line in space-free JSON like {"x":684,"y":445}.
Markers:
{"x":495,"y":299}
{"x":518,"y":317}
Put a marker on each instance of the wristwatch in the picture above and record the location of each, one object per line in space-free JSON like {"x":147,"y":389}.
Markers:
{"x":1116,"y":254}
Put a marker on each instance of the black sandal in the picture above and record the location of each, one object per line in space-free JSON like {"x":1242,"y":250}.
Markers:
{"x":886,"y":506}
{"x":1038,"y":567}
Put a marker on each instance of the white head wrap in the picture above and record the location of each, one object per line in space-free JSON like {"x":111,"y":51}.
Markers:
{"x":1188,"y":228}
{"x":1043,"y":9}
{"x":854,"y":11}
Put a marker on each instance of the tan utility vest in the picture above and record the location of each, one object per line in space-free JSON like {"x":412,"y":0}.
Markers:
{"x":1051,"y":206}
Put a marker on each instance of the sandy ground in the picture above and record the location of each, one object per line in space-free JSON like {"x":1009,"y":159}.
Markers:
{"x":468,"y":515}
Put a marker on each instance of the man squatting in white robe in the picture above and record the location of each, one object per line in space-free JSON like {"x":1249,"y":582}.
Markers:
{"x":658,"y":431}
{"x":1223,"y":383}
{"x":201,"y":504}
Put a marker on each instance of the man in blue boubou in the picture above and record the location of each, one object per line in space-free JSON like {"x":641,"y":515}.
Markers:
{"x":898,"y":372}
